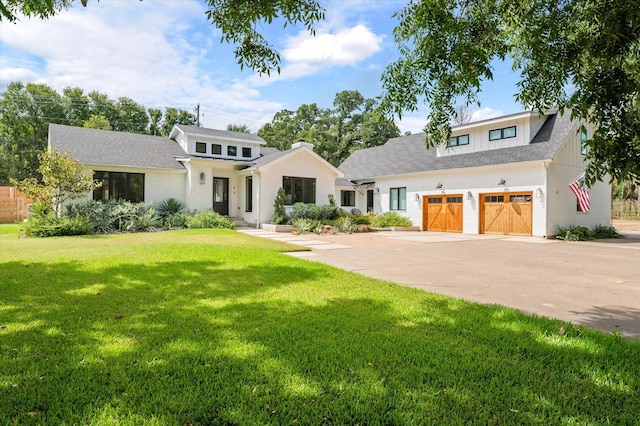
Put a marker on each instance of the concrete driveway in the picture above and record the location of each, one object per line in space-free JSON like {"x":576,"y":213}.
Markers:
{"x":596,"y":283}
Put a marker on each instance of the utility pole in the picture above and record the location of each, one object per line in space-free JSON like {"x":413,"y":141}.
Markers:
{"x":198,"y":115}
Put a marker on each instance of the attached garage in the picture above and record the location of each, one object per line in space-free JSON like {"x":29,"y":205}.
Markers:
{"x":442,"y":213}
{"x":507,"y":213}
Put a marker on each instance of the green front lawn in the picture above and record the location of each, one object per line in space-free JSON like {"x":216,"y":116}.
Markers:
{"x":209,"y":327}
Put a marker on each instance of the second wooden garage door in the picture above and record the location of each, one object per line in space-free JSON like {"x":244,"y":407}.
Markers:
{"x":442,"y":213}
{"x":506,"y":213}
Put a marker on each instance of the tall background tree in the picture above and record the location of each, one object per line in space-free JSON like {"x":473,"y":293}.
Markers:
{"x":240,"y":128}
{"x":353,"y":123}
{"x":26,"y":110}
{"x":581,"y":55}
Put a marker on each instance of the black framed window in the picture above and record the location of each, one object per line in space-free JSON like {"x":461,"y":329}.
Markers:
{"x":246,"y":152}
{"x":249,"y":194}
{"x":348,"y":198}
{"x":201,"y":147}
{"x":232,"y":151}
{"x":583,"y":141}
{"x":398,"y":198}
{"x":504,"y":133}
{"x":299,"y":190}
{"x":119,"y":186}
{"x":459,"y":140}
{"x":216,"y":149}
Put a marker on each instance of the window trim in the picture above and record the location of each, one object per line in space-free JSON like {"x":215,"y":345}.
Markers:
{"x":216,"y":147}
{"x":457,"y":140}
{"x":349,"y":196}
{"x":502,"y":136}
{"x":290,"y":189}
{"x":110,"y":186}
{"x":231,"y":148}
{"x":246,"y":152}
{"x":584,"y":137}
{"x":202,"y":145}
{"x":401,"y":198}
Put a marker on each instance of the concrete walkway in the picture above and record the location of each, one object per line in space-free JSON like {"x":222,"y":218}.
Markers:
{"x":596,"y":283}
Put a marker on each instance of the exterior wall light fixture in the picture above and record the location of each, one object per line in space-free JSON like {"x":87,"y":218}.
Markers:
{"x":203,"y":178}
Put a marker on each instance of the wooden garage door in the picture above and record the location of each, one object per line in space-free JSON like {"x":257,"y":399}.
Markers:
{"x":506,"y":213}
{"x":442,"y":213}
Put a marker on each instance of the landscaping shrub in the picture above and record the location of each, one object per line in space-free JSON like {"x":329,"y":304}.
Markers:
{"x":390,"y":219}
{"x":314,"y":212}
{"x":169,"y":207}
{"x":279,"y":216}
{"x":346,"y":224}
{"x":54,"y":226}
{"x":209,"y":219}
{"x":115,"y":216}
{"x":602,"y":231}
{"x":574,"y":233}
{"x":303,"y":226}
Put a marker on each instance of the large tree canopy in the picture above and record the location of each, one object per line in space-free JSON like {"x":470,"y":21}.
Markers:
{"x":27,"y":110}
{"x":352,"y":124}
{"x":581,"y":55}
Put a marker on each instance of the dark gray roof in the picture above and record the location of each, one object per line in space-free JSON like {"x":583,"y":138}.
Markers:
{"x":408,"y":154}
{"x":193,"y":130}
{"x":268,"y":155}
{"x":109,"y":148}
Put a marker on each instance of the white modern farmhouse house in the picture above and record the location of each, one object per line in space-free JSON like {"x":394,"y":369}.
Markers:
{"x":232,"y":173}
{"x":508,"y":175}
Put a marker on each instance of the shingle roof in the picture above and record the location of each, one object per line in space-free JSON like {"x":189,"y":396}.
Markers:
{"x":109,"y":148}
{"x":193,"y":130}
{"x":408,"y":154}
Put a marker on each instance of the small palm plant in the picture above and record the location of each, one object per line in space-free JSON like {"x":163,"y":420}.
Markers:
{"x":169,"y":207}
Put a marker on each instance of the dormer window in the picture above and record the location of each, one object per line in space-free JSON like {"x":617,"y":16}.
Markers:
{"x":201,"y":147}
{"x":232,"y":151}
{"x":246,"y":152}
{"x":504,"y":133}
{"x":458,"y":140}
{"x":216,"y":149}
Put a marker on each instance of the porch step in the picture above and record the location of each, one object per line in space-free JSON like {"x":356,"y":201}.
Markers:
{"x":241,"y":223}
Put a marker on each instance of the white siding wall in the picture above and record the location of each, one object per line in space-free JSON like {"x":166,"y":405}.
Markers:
{"x":568,"y":164}
{"x":201,"y":195}
{"x":300,"y":165}
{"x":518,"y":177}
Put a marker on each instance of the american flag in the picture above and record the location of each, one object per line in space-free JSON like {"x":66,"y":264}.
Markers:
{"x":580,"y":189}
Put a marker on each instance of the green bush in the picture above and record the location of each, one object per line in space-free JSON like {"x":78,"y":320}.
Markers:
{"x":169,"y":207}
{"x":208,"y":219}
{"x":115,"y":216}
{"x":574,"y":233}
{"x":602,"y":232}
{"x":390,"y":219}
{"x":314,"y":212}
{"x":53,"y":226}
{"x":303,"y":226}
{"x":346,"y":224}
{"x":279,"y":214}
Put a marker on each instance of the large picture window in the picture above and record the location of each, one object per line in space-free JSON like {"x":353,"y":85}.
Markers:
{"x":348,"y":198}
{"x":119,"y":186}
{"x":398,"y":198}
{"x":299,"y":190}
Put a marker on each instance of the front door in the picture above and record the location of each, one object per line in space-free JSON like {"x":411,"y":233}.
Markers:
{"x":221,"y":195}
{"x":370,"y":201}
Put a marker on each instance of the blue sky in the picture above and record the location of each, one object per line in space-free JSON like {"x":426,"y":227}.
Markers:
{"x":164,"y":53}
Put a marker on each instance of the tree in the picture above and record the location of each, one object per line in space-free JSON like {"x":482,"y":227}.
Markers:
{"x":130,"y":116}
{"x":39,"y":9}
{"x":581,"y":55}
{"x":240,"y":128}
{"x":25,"y":114}
{"x":173,"y":116}
{"x":63,"y":179}
{"x":97,"y":122}
{"x":353,"y":123}
{"x":462,"y":114}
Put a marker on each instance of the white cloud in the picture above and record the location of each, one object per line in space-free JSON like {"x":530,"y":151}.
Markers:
{"x":485,"y":113}
{"x":412,"y":123}
{"x":306,"y":55}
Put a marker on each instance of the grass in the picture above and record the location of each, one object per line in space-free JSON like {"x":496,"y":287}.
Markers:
{"x":208,"y":327}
